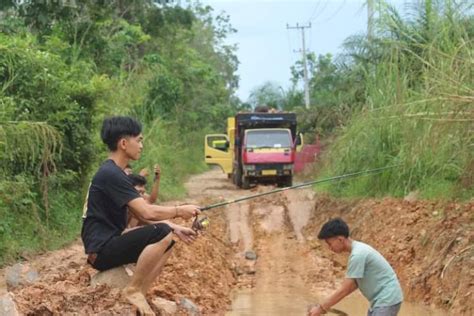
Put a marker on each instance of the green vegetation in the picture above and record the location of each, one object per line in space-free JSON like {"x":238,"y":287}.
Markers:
{"x":403,"y":98}
{"x":64,"y":68}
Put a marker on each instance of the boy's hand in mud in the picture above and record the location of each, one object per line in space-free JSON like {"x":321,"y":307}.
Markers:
{"x":314,"y":310}
{"x":185,"y":234}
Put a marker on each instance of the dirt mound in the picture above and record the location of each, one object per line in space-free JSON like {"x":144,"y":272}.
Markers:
{"x":200,"y":272}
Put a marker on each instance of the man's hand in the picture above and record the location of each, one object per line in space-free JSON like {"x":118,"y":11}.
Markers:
{"x":187,"y":211}
{"x":185,"y":234}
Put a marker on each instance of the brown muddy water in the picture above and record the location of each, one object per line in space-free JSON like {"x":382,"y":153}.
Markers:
{"x":248,"y":302}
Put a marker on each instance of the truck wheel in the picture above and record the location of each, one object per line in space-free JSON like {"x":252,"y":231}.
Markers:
{"x":245,"y":182}
{"x":238,"y":177}
{"x":289,"y":181}
{"x":285,"y":182}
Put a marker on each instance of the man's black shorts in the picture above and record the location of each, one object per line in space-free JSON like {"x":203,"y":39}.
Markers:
{"x":127,"y":248}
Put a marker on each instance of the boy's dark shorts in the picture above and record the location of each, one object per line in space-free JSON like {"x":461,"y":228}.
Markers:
{"x":127,"y":248}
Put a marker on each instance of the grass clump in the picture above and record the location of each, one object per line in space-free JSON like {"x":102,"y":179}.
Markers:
{"x":419,"y":112}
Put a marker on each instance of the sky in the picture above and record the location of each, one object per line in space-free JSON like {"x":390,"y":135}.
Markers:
{"x":267,"y":49}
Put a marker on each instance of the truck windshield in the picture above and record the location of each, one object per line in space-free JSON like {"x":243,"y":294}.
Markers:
{"x":268,"y":139}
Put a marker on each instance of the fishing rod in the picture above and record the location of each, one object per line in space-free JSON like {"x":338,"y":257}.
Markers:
{"x":305,"y":184}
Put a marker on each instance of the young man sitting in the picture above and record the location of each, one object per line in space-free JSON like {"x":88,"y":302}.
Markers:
{"x":106,"y":239}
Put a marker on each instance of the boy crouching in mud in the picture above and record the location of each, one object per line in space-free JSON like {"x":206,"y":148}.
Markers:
{"x":107,"y":242}
{"x":367,"y":270}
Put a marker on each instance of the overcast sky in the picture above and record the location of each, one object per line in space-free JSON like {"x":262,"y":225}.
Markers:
{"x":267,"y":49}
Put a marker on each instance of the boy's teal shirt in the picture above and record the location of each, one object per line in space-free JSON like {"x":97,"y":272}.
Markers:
{"x":374,"y":276}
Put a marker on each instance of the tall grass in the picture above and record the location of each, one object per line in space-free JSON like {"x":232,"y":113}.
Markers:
{"x":419,"y":112}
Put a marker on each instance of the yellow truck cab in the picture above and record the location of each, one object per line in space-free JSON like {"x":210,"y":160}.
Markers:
{"x":258,"y":147}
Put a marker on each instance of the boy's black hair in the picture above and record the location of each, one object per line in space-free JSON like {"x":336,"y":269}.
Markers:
{"x":137,"y":179}
{"x":116,"y":127}
{"x":334,"y":227}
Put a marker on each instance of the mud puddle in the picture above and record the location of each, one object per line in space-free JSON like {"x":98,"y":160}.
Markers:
{"x":248,"y":302}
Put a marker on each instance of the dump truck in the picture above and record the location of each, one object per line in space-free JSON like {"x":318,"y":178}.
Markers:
{"x":258,"y":148}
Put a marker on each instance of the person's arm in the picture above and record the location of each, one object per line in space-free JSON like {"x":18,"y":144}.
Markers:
{"x":133,"y":221}
{"x":156,"y":185}
{"x":184,"y":233}
{"x":346,"y":288}
{"x":150,"y":212}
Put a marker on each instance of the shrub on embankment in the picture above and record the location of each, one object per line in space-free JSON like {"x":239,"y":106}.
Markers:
{"x":418,"y":112}
{"x":63,"y":69}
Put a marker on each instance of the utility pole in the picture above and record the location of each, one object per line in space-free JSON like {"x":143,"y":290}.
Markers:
{"x":370,"y":19}
{"x":305,"y":70}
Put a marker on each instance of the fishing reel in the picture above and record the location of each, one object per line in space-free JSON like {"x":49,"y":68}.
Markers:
{"x":200,"y":223}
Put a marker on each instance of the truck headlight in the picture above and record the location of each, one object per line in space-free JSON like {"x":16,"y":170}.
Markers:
{"x":287,"y":167}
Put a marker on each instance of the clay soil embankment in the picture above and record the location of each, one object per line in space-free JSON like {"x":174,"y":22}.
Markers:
{"x":429,"y":244}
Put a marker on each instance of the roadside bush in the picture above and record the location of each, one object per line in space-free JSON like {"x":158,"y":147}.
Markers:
{"x":418,"y":114}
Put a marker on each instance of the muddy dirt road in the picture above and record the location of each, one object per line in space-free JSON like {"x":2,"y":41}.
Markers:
{"x":293,"y":269}
{"x":220,"y":275}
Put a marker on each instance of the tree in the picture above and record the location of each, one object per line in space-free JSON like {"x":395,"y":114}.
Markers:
{"x":270,"y":94}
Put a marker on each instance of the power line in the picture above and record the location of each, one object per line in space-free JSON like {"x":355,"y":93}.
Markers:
{"x":314,"y":11}
{"x":289,"y":46}
{"x":310,"y":39}
{"x":314,"y":17}
{"x":336,"y":12}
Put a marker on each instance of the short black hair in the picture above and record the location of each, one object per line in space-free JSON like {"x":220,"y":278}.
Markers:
{"x":333,"y":228}
{"x":116,"y":127}
{"x":137,"y":179}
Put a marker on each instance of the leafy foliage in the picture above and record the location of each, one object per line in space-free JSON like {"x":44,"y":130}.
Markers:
{"x":64,"y":66}
{"x":269,"y":94}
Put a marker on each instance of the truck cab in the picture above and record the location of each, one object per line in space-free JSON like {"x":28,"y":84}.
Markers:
{"x":258,"y":148}
{"x":267,"y":156}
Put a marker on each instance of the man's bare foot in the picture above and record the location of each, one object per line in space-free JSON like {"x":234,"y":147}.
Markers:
{"x":137,"y":298}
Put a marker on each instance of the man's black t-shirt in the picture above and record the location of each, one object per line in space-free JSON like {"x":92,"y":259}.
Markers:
{"x":106,"y":215}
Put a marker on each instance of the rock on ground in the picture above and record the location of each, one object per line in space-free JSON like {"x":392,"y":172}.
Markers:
{"x":115,"y":278}
{"x":165,"y":307}
{"x":8,"y":306}
{"x":20,"y":274}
